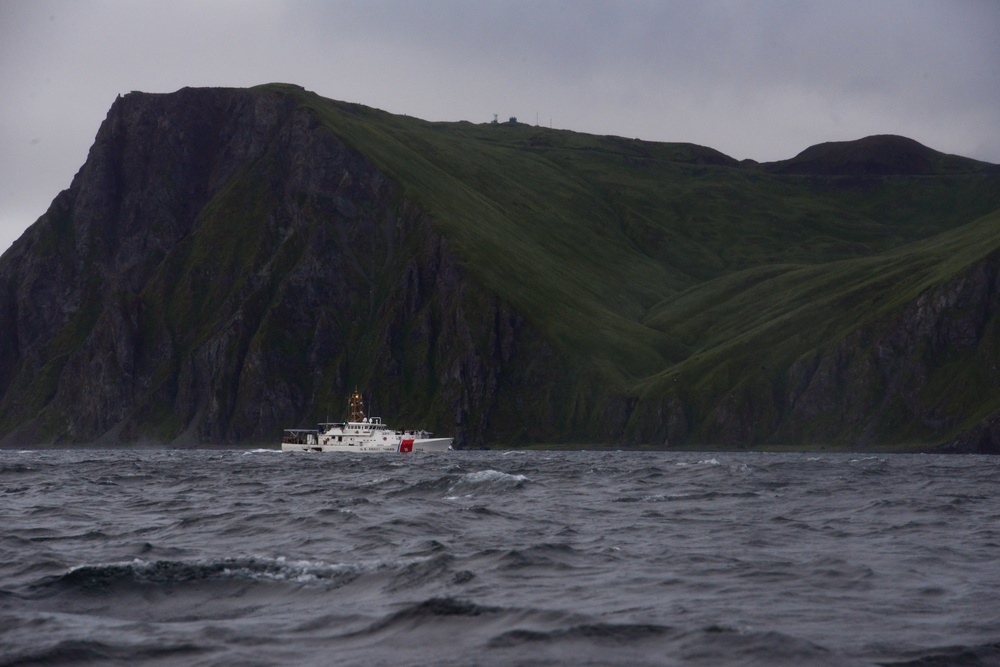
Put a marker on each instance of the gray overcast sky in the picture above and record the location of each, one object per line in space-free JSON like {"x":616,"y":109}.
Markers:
{"x":760,"y":79}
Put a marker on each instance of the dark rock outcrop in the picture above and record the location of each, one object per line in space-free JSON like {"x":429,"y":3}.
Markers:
{"x":909,"y":375}
{"x":223,"y":267}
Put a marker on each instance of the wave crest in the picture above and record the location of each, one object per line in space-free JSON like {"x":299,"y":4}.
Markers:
{"x":139,"y":572}
{"x":486,"y":481}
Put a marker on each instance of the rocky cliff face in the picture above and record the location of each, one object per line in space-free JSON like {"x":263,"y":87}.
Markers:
{"x":909,"y":379}
{"x":224,"y":266}
{"x":221,"y":268}
{"x":911,"y":375}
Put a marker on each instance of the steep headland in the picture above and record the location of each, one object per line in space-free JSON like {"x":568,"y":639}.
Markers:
{"x":231,"y":262}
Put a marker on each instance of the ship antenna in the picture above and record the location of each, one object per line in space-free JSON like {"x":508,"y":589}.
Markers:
{"x":357,"y":407}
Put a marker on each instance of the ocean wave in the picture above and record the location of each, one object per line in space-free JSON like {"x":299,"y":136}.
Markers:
{"x":546,"y":556}
{"x":949,"y":656}
{"x":574,"y":559}
{"x":706,"y":495}
{"x":16,"y":468}
{"x":493,"y":477}
{"x":440,"y":606}
{"x":92,"y":651}
{"x":453,"y":611}
{"x":601,"y":633}
{"x":636,"y":643}
{"x":704,"y":462}
{"x":433,"y":610}
{"x":139,"y":572}
{"x":488,"y":481}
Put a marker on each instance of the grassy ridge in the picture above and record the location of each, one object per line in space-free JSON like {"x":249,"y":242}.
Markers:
{"x":542,"y":249}
{"x":653,"y":262}
{"x":784,"y":309}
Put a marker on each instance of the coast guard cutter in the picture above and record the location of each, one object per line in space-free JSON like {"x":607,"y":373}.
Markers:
{"x":360,"y":434}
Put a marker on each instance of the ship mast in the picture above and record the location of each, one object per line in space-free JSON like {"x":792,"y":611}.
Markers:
{"x":357,"y":408}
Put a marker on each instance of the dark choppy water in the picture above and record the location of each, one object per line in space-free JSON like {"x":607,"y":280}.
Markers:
{"x":490,"y":558}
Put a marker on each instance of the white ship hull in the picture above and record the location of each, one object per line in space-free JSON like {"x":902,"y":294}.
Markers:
{"x":371,"y":447}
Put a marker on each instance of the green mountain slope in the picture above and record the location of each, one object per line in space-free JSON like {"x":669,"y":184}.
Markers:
{"x":763,"y":321}
{"x":754,"y":268}
{"x":516,"y":283}
{"x":588,"y":234}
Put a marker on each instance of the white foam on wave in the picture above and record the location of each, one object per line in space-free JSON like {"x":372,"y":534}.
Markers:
{"x":264,"y":568}
{"x":256,"y":568}
{"x":492,"y":476}
{"x":483,"y":480}
{"x":704,"y":462}
{"x":261,"y":451}
{"x":306,"y":571}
